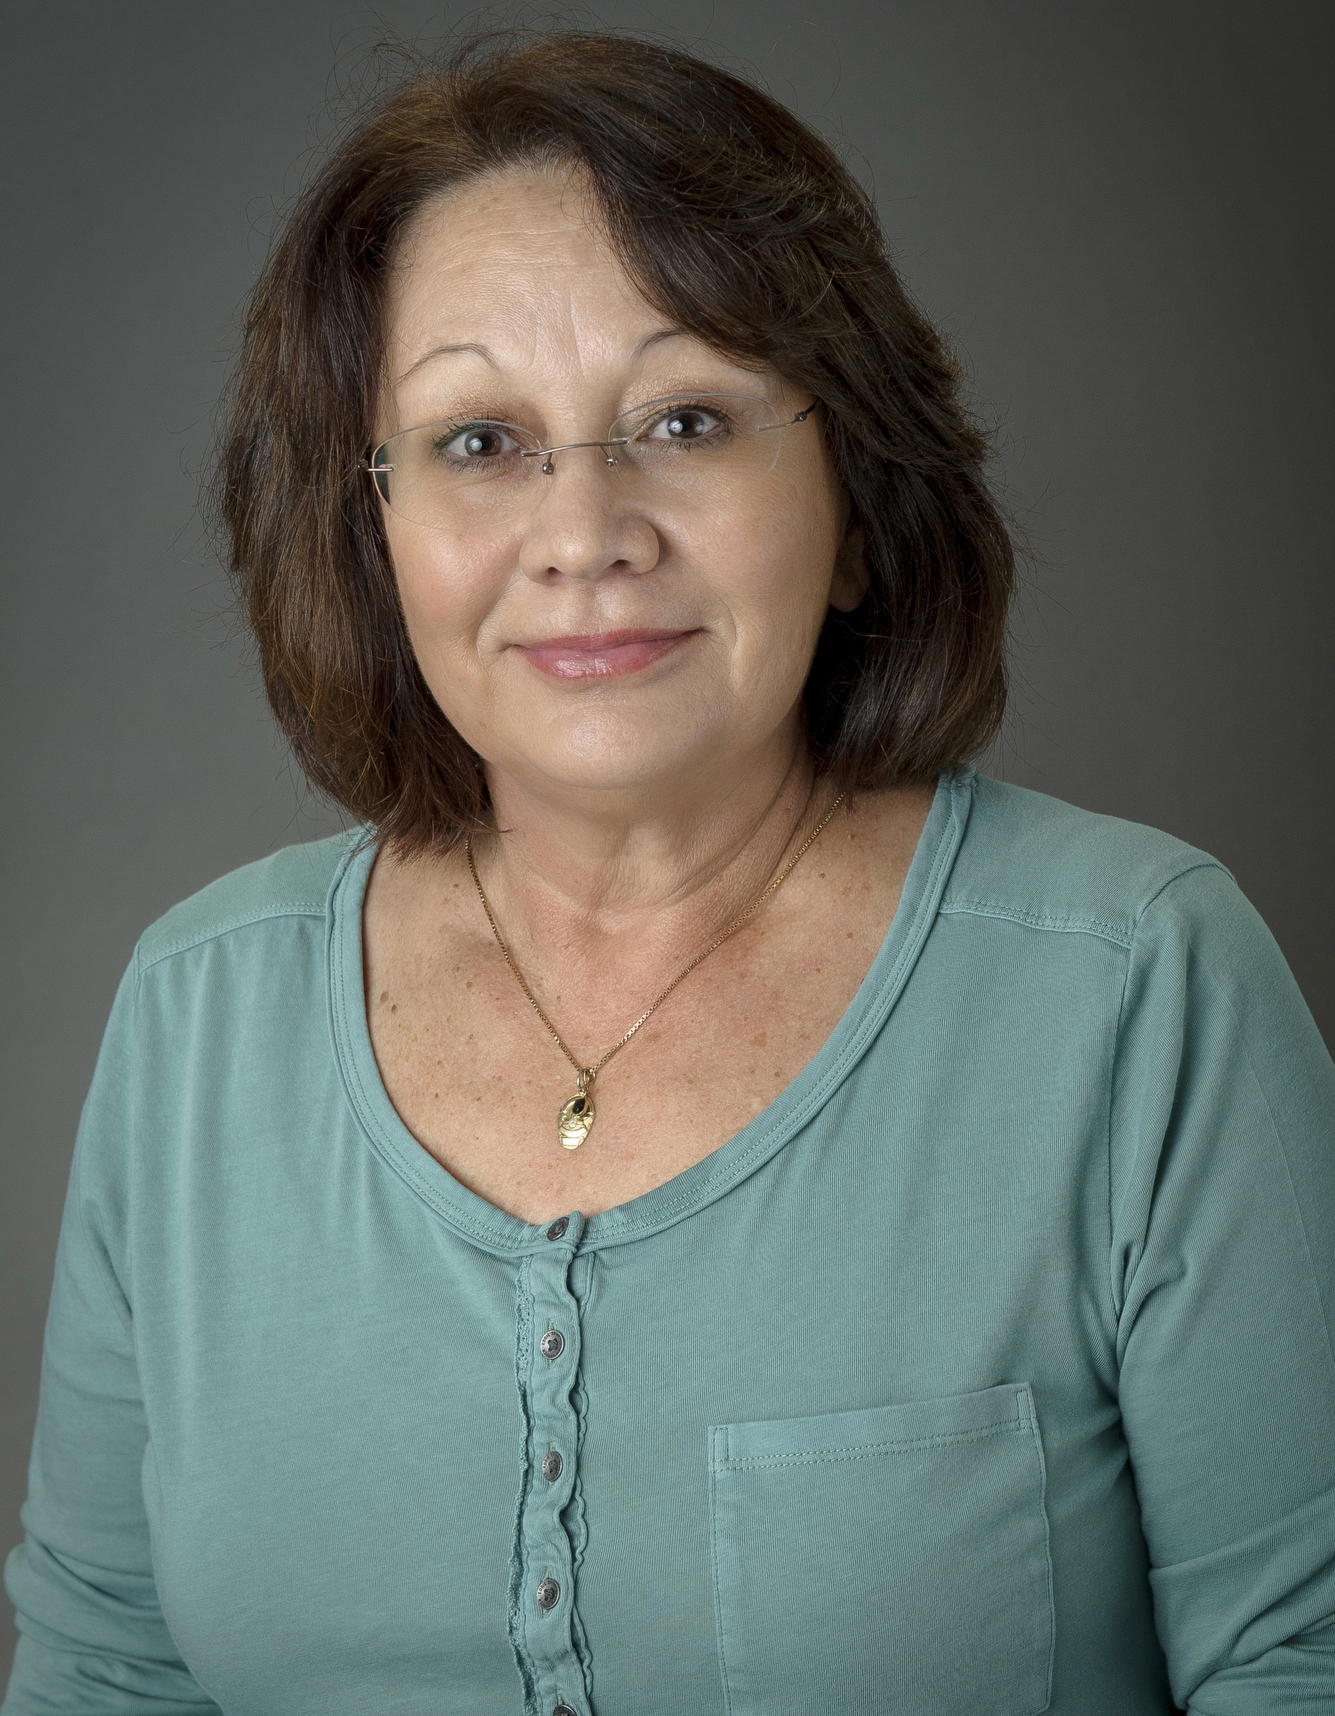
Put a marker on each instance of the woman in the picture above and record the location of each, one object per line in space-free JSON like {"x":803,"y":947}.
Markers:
{"x":699,"y":1200}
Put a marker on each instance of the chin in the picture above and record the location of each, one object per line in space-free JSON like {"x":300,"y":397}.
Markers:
{"x":612,"y":754}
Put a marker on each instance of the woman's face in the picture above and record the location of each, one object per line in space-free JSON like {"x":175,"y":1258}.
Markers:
{"x":597,"y":637}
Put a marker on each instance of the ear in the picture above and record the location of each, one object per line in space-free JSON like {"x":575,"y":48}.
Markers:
{"x":851,"y":579}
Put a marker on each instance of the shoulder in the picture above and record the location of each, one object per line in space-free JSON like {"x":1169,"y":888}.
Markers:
{"x":291,"y":883}
{"x":1040,"y":861}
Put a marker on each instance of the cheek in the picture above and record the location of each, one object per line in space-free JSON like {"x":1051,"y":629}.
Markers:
{"x":773,"y":567}
{"x":447,"y":588}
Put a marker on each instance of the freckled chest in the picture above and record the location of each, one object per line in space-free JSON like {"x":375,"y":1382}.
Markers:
{"x":478,"y":1081}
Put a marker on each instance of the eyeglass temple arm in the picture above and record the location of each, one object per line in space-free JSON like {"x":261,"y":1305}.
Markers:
{"x":801,"y":417}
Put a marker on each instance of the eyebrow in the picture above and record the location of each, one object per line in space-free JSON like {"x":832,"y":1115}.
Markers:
{"x":488,"y":356}
{"x":483,"y":352}
{"x":655,"y":338}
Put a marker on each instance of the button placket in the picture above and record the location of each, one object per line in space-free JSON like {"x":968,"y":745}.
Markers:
{"x":546,"y":1626}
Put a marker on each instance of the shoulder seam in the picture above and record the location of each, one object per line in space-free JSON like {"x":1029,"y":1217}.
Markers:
{"x":280,"y":909}
{"x":1115,"y":933}
{"x":1206,"y":863}
{"x":1121,"y":935}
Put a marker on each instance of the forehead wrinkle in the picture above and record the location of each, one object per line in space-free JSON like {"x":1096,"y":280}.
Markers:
{"x":549,"y":326}
{"x":516,"y":275}
{"x":512,"y":250}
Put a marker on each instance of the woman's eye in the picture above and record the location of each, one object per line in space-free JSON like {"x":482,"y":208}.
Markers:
{"x":477,"y":441}
{"x":687,"y":423}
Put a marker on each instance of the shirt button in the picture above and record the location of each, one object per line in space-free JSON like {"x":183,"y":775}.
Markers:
{"x":549,"y":1594}
{"x":551,"y":1467}
{"x":564,"y":1710}
{"x":555,"y":1231}
{"x":552,"y":1344}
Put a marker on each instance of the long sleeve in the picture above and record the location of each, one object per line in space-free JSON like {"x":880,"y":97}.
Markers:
{"x":93,"y":1637}
{"x":1223,"y":1278}
{"x":295,"y":1413}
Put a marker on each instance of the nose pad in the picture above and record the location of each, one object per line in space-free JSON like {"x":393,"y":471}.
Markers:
{"x":609,"y":458}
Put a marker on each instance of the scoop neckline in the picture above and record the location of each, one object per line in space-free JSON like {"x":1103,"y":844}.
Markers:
{"x":493,"y":1229}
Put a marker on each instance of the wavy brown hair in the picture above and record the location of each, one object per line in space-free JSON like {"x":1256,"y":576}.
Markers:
{"x":740,"y":224}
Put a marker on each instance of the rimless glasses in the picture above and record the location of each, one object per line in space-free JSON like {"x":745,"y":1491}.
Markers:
{"x":697,"y":450}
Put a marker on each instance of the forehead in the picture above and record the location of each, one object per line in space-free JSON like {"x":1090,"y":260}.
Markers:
{"x":514,"y":261}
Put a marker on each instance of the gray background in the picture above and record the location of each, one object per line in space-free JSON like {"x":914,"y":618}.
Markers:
{"x":1120,"y":213}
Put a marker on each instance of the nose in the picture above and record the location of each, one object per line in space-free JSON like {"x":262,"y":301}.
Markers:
{"x":583,"y":522}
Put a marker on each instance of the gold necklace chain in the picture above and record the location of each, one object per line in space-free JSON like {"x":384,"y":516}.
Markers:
{"x":575,"y":1121}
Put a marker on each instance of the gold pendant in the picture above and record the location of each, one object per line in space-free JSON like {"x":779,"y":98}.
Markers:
{"x":575,"y":1121}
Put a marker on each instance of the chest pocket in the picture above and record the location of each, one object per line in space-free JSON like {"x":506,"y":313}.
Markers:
{"x":889,"y":1560}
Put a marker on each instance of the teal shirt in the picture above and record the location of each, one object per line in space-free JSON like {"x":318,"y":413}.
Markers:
{"x":988,"y":1371}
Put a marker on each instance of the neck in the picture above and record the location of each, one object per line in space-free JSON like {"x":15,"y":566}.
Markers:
{"x":662,"y":868}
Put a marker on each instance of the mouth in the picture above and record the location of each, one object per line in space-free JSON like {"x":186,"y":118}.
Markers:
{"x":601,"y":655}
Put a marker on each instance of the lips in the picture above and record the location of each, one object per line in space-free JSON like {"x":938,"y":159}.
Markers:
{"x":602,"y":655}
